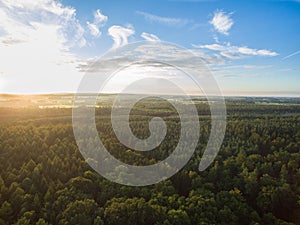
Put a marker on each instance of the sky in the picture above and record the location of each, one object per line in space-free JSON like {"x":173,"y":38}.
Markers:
{"x":251,"y":47}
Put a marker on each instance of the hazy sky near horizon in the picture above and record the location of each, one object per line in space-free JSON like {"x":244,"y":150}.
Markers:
{"x":251,"y":47}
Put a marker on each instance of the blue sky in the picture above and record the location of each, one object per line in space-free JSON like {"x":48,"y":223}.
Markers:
{"x":251,"y":47}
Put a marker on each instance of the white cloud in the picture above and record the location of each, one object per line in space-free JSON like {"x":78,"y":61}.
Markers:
{"x":233,"y":52}
{"x":164,"y":20}
{"x":36,"y":39}
{"x":17,"y":17}
{"x":49,"y":6}
{"x":99,"y":21}
{"x":150,"y":37}
{"x":222,"y":22}
{"x":99,"y":18}
{"x":215,"y":47}
{"x":94,"y":30}
{"x":120,"y":35}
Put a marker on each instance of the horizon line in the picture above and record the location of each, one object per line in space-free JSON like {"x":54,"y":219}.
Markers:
{"x":165,"y":94}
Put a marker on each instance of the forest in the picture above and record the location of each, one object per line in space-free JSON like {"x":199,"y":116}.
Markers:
{"x":255,"y":178}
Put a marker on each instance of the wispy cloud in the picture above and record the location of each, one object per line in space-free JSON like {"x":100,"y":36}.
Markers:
{"x":94,"y":30}
{"x":248,"y":67}
{"x":99,"y":18}
{"x":192,"y":0}
{"x":99,"y":21}
{"x":234,"y":52}
{"x":239,"y":71}
{"x":150,"y":37}
{"x":292,"y":54}
{"x":169,"y":21}
{"x":290,"y":69}
{"x":238,"y":75}
{"x":222,"y":22}
{"x":180,"y":57}
{"x":120,"y":35}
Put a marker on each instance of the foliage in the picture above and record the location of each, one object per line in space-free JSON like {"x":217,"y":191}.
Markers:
{"x":254,"y":179}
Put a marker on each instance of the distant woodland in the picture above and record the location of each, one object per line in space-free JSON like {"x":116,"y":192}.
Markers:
{"x":255,"y":178}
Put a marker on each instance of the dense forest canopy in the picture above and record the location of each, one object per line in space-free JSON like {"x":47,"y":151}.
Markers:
{"x":255,"y":178}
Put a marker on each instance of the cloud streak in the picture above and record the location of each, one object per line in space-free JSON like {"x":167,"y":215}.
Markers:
{"x":291,"y":55}
{"x":238,"y":75}
{"x":235,"y":52}
{"x":150,"y":37}
{"x":168,"y":21}
{"x":94,"y":30}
